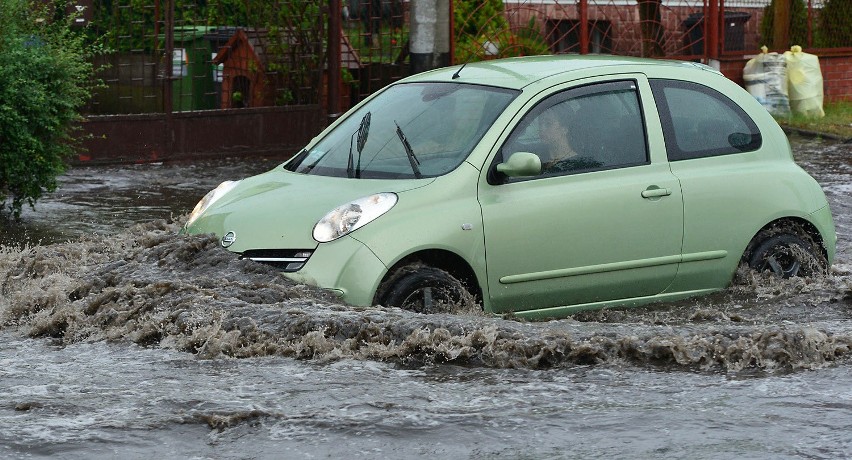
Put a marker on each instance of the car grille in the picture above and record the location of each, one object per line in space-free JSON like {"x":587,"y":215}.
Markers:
{"x":288,"y":260}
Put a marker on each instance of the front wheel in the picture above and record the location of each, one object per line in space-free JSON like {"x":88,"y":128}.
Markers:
{"x":787,"y":255}
{"x":425,"y":289}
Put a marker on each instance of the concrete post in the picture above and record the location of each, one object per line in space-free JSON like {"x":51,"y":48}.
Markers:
{"x":430,"y":34}
{"x":442,"y":34}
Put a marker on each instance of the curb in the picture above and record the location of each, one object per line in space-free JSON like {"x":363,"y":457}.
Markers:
{"x":815,"y":134}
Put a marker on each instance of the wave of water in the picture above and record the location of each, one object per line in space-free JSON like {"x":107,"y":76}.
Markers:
{"x":153,"y":287}
{"x":150,"y":344}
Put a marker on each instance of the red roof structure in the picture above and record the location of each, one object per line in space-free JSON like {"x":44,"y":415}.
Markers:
{"x":246,"y":77}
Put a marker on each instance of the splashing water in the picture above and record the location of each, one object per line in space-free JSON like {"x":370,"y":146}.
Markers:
{"x":148,"y":342}
{"x":153,"y":287}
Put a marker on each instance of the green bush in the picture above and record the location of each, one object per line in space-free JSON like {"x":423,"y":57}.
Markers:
{"x":475,"y":24}
{"x":479,"y":25}
{"x":45,"y":77}
{"x":835,"y":24}
{"x":475,"y":18}
{"x":127,"y":25}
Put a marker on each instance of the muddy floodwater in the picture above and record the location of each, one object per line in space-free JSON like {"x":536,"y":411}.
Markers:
{"x":121,"y":339}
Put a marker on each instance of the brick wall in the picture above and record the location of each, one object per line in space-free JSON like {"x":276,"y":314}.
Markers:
{"x":837,"y":77}
{"x":836,"y":74}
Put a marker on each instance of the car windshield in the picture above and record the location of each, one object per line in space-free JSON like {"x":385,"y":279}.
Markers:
{"x":410,"y":130}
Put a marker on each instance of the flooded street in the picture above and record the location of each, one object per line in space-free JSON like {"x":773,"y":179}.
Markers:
{"x":120,"y":339}
{"x":103,"y":200}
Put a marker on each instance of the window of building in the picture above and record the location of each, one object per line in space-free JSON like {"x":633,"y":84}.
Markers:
{"x":564,"y":36}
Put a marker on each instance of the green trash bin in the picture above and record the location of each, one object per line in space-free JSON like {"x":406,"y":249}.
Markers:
{"x":192,"y":74}
{"x":218,"y":37}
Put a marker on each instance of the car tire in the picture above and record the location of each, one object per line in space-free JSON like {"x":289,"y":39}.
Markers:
{"x":425,"y":289}
{"x":787,"y":255}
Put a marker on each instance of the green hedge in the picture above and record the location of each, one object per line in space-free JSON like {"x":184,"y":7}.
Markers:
{"x":45,"y":77}
{"x":835,"y":24}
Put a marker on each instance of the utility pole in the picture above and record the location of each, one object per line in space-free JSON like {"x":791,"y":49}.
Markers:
{"x":781,"y":23}
{"x":334,"y":67}
{"x":430,"y":34}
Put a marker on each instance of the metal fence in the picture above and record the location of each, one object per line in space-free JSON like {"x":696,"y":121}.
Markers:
{"x":191,"y":55}
{"x":180,"y":55}
{"x":187,"y":78}
{"x":668,"y":29}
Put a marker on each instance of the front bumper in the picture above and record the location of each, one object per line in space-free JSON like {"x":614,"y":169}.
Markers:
{"x":345,"y":266}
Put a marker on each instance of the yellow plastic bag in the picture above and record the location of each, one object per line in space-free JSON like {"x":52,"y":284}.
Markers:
{"x":765,"y":78}
{"x":805,"y":80}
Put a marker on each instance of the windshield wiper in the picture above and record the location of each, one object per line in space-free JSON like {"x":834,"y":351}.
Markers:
{"x":408,"y":151}
{"x":313,"y":165}
{"x":362,"y":132}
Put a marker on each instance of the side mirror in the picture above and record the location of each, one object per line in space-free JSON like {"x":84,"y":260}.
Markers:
{"x":521,"y":164}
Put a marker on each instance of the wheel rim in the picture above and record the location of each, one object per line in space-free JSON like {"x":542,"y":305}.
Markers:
{"x":783,"y":262}
{"x":427,"y":298}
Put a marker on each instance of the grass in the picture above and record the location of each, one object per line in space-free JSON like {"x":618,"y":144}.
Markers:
{"x":837,"y":121}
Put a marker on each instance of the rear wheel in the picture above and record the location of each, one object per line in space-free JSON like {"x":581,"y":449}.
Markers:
{"x":425,"y":289}
{"x":787,"y":255}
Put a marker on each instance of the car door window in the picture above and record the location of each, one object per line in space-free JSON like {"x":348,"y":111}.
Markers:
{"x":584,"y":129}
{"x":700,"y":122}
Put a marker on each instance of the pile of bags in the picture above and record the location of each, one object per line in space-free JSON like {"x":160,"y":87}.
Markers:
{"x":785,"y":83}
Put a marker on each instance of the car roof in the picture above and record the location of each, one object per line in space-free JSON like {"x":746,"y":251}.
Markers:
{"x":519,"y":72}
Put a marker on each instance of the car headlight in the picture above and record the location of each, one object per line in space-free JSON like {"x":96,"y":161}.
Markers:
{"x":351,"y":216}
{"x":211,"y":198}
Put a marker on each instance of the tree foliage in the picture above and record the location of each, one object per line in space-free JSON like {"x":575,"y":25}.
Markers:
{"x":481,"y":29}
{"x":45,"y":78}
{"x":298,"y":37}
{"x":478,"y":18}
{"x":835,"y":22}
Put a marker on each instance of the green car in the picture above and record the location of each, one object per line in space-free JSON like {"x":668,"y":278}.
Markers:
{"x":538,"y":186}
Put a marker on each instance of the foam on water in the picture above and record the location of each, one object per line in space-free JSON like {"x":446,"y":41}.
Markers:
{"x":149,"y":344}
{"x":153,"y":287}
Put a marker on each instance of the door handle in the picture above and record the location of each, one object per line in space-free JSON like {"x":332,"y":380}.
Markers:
{"x":656,"y":192}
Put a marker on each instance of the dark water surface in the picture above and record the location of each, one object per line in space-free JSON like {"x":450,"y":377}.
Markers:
{"x":103,"y":200}
{"x":123,"y":340}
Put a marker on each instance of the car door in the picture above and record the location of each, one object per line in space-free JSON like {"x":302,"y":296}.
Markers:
{"x":601,"y":222}
{"x":719,"y":157}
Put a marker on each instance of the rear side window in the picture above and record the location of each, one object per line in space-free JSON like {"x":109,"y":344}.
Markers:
{"x":699,"y":121}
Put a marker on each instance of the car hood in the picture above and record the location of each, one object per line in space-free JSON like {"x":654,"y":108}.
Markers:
{"x":278,"y":209}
